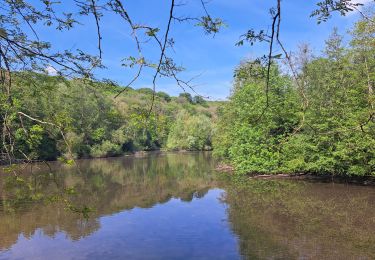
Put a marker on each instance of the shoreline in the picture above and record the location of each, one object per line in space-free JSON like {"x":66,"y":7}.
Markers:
{"x":139,"y":153}
{"x":326,"y":178}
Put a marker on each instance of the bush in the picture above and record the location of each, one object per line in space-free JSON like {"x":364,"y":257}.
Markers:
{"x":200,"y":101}
{"x":186,"y":96}
{"x":164,"y":96}
{"x":190,"y":132}
{"x":323,"y":125}
{"x":105,"y":149}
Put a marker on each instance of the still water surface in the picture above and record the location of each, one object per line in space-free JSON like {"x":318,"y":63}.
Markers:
{"x":174,"y":206}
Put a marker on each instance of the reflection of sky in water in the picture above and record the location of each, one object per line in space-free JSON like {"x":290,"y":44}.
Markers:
{"x":173,"y":230}
{"x":169,"y":206}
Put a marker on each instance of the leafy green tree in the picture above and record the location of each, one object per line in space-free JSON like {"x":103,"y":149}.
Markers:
{"x":105,"y":149}
{"x":199,"y":100}
{"x":186,"y":96}
{"x":249,"y":133}
{"x":326,"y":126}
{"x":190,"y":132}
{"x":164,"y":96}
{"x":21,"y":50}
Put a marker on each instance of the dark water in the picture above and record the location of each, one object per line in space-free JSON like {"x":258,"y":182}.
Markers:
{"x":174,"y":206}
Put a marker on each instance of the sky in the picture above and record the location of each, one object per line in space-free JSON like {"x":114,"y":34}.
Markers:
{"x":210,"y":59}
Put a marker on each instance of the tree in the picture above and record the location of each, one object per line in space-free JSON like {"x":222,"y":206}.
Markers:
{"x":164,"y":96}
{"x":21,"y":49}
{"x":187,"y":97}
{"x":190,"y":132}
{"x":248,"y":136}
{"x":199,"y":100}
{"x":319,"y":120}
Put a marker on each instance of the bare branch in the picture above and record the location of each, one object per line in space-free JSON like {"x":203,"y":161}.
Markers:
{"x":96,"y":15}
{"x":162,"y":52}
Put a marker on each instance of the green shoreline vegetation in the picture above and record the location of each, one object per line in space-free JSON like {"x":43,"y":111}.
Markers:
{"x":320,"y":122}
{"x":282,"y":169}
{"x":319,"y":118}
{"x":82,"y":119}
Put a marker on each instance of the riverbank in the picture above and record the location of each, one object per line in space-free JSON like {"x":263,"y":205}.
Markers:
{"x":359,"y":180}
{"x":140,"y":153}
{"x":174,"y":206}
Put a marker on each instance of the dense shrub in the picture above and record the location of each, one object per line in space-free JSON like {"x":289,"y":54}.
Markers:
{"x":190,"y":132}
{"x":320,"y":122}
{"x":82,"y":120}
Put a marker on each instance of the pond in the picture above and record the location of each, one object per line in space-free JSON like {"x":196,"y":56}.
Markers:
{"x":175,"y":206}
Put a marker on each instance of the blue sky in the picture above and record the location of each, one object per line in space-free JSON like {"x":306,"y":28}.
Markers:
{"x":213,"y":58}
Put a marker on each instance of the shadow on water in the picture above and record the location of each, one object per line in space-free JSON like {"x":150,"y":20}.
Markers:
{"x":174,"y":206}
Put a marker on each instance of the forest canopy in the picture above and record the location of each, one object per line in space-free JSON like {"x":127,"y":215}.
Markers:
{"x":288,"y":112}
{"x":81,"y":119}
{"x":318,"y":119}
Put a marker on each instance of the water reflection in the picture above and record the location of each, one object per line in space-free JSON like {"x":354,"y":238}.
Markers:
{"x":302,"y":220}
{"x":107,"y":185}
{"x":173,"y":206}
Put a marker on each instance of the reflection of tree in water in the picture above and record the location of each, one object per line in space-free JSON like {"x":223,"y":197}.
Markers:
{"x":279,"y":219}
{"x":50,"y":219}
{"x":109,"y":186}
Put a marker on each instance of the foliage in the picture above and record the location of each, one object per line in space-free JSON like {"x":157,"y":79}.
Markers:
{"x":247,"y":133}
{"x":105,"y":149}
{"x":80,"y":119}
{"x":164,"y":96}
{"x":190,"y":132}
{"x":199,"y":100}
{"x":187,"y":96}
{"x":322,"y":121}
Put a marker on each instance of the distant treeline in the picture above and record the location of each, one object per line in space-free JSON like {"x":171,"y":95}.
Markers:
{"x":318,"y":118}
{"x":79,"y":118}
